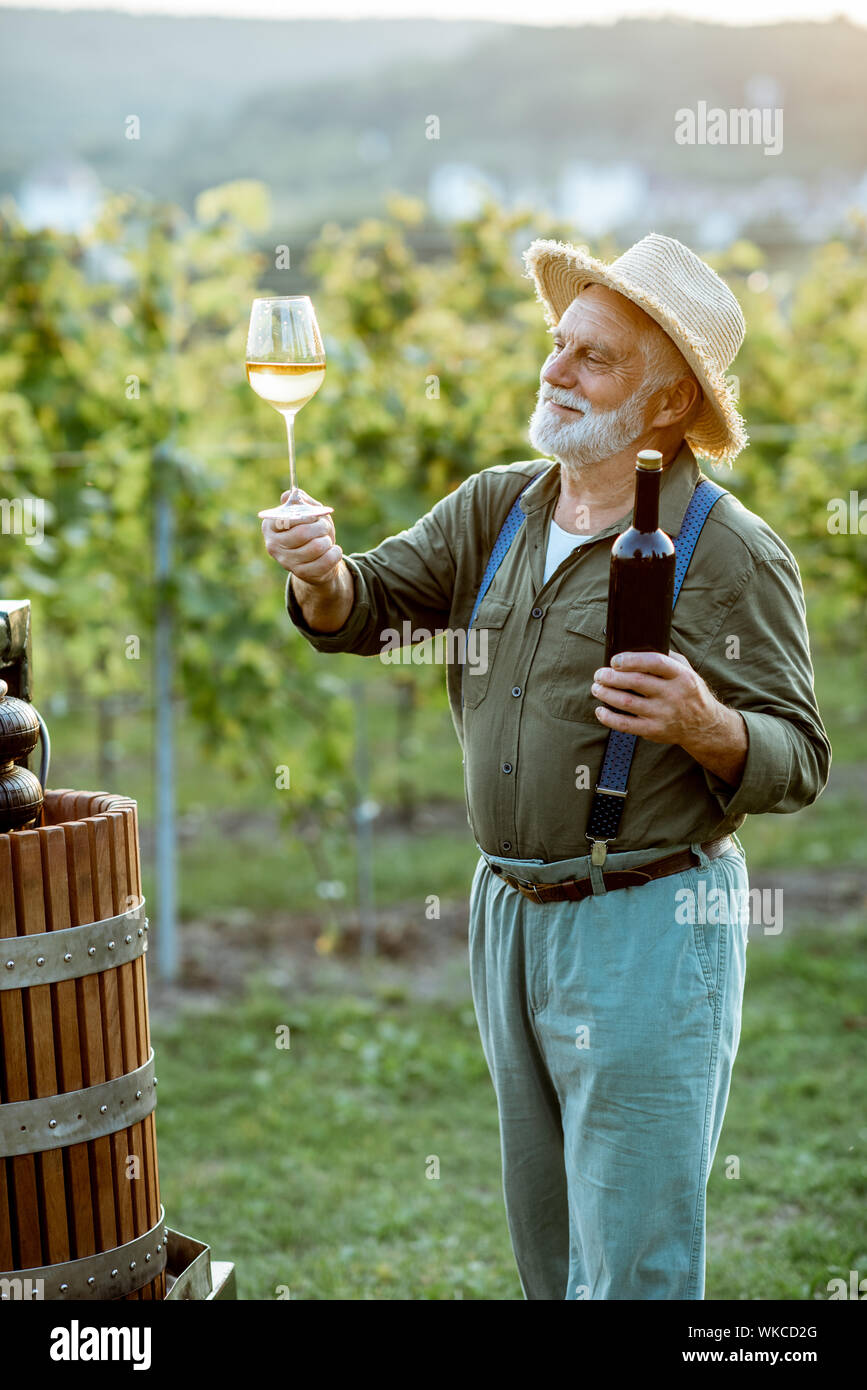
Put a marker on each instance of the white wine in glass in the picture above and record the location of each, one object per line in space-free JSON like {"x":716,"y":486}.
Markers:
{"x":286,"y":367}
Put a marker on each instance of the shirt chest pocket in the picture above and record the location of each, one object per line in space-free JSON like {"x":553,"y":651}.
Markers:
{"x":582,"y":651}
{"x":483,"y":639}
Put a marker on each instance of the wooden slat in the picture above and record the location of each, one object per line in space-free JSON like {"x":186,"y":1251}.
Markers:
{"x":39,"y":1022}
{"x":7,"y":928}
{"x":90,"y":1027}
{"x":149,"y":1125}
{"x":122,"y":899}
{"x":66,"y":805}
{"x":5,"y":1220}
{"x":76,"y":1156}
{"x":142,"y":1137}
{"x":83,"y":801}
{"x":20,"y":1170}
{"x":148,"y":1140}
{"x":151,"y":1176}
{"x":100,"y":855}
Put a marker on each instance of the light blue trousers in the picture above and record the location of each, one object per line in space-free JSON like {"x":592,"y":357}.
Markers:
{"x":610,"y":1028}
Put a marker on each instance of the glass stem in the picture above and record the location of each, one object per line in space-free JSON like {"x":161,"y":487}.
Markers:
{"x":290,"y":435}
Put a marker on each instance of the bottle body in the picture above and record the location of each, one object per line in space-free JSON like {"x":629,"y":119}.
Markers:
{"x":641,"y":577}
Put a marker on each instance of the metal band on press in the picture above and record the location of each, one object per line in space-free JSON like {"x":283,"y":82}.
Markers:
{"x":51,"y":956}
{"x":51,"y":1122}
{"x":111,"y":1274}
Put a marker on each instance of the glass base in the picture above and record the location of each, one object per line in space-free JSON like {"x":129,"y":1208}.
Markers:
{"x":296,"y":511}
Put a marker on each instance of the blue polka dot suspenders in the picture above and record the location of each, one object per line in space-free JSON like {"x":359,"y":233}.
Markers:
{"x":607,"y":807}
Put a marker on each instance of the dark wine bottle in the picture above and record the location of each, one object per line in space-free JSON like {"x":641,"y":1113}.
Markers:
{"x":641,"y":578}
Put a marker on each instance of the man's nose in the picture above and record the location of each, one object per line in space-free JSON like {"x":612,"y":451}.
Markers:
{"x":560,"y":372}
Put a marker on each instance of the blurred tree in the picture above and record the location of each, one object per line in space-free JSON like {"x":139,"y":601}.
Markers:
{"x":803,"y":383}
{"x":125,"y":352}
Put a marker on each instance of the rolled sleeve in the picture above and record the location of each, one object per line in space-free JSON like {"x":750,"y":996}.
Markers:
{"x":767,"y":772}
{"x":771,"y":686}
{"x":346,"y":638}
{"x":404,"y":585}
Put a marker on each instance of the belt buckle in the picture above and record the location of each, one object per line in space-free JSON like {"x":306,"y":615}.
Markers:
{"x":525,"y":885}
{"x":530,"y":887}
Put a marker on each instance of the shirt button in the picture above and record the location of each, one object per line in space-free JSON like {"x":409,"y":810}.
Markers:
{"x":537,"y":613}
{"x":516,"y":690}
{"x":505,"y":844}
{"x":507,"y":767}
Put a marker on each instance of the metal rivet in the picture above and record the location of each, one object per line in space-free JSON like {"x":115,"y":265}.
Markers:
{"x":40,"y":960}
{"x":63,"y":1288}
{"x":52,"y":1124}
{"x":111,"y":945}
{"x":140,"y":932}
{"x":159,"y":1248}
{"x":114,"y":1274}
{"x":156,"y":1081}
{"x":147,"y":1257}
{"x":91,"y":950}
{"x":102,"y":1109}
{"x":91,"y":1280}
{"x":10,"y":965}
{"x":138,"y":1095}
{"x":132,"y":1264}
{"x":146,"y":924}
{"x":127,"y":939}
{"x":68,"y":957}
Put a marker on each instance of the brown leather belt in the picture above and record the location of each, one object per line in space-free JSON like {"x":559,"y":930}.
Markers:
{"x":572,"y":890}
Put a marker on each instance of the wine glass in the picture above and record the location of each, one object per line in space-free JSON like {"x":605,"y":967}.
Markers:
{"x":286,"y":367}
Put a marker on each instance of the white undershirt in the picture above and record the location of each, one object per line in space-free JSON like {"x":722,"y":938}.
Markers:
{"x":560,"y":544}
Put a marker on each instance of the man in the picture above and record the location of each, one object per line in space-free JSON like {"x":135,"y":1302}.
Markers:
{"x":609,"y":1002}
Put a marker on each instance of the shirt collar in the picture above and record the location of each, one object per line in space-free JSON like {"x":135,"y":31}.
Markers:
{"x":675,"y":490}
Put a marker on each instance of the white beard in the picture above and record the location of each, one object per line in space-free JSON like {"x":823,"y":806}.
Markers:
{"x":596,"y":435}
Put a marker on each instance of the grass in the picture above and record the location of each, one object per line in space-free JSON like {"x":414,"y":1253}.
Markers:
{"x":307,"y":1166}
{"x":795,"y":1217}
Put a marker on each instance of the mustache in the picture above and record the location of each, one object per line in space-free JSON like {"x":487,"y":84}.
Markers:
{"x":561,"y":397}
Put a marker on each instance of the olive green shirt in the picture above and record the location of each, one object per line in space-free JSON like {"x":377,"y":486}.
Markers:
{"x":532,"y":745}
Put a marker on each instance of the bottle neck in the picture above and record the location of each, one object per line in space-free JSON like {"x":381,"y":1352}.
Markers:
{"x":645,"y":516}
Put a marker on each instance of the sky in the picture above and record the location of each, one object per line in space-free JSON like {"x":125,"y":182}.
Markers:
{"x":502,"y":11}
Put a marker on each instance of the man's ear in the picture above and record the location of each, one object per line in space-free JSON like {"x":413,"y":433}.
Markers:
{"x":678,"y":403}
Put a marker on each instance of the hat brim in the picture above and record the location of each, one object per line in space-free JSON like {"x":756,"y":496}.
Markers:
{"x":561,"y":272}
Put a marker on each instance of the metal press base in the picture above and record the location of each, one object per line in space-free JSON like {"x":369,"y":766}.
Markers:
{"x":192,"y":1274}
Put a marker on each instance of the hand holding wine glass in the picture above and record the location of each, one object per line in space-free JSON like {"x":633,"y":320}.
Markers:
{"x":322,"y":583}
{"x":286,"y":367}
{"x":308,"y":549}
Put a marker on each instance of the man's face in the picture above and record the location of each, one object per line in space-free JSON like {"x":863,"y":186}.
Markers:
{"x":592,"y":402}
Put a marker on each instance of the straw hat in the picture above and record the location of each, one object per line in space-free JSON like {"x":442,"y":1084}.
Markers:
{"x":685,"y":297}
